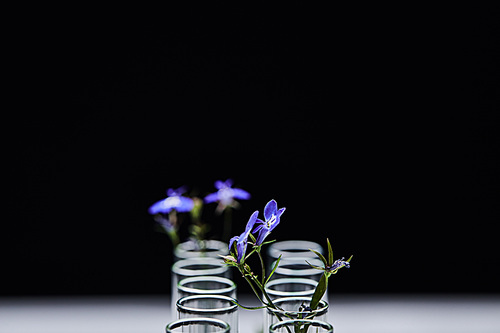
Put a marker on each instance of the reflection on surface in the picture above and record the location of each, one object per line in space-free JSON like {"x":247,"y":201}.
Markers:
{"x":348,"y":314}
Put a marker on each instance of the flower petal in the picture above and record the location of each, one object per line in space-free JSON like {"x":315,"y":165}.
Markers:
{"x":257,"y":229}
{"x":159,"y":207}
{"x":262,"y":235}
{"x":277,"y":221}
{"x":280,"y":211}
{"x":176,"y":192}
{"x":251,"y":222}
{"x":184,"y":205}
{"x":212,"y":197}
{"x":238,"y":193}
{"x":241,"y":247}
{"x":232,"y":240}
{"x":225,"y":196}
{"x":275,"y":224}
{"x":270,"y":209}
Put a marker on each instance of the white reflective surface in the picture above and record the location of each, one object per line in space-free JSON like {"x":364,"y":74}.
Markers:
{"x":348,"y":314}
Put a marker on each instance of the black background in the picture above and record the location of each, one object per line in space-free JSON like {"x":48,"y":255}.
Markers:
{"x":375,"y":129}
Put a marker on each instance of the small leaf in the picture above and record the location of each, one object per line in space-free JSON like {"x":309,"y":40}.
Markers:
{"x":315,"y":267}
{"x":330,"y":253}
{"x":321,"y":257}
{"x":248,"y":255}
{"x":268,"y":242}
{"x":234,"y":248}
{"x":274,"y":268}
{"x":319,"y":291}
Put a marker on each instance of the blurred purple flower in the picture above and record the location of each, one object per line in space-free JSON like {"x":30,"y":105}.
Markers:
{"x":272,"y":215}
{"x":242,"y":240}
{"x":174,"y":201}
{"x":165,"y":223}
{"x":226,"y":194}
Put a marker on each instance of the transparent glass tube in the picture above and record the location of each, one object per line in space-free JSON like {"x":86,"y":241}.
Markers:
{"x":206,"y":285}
{"x":201,"y":249}
{"x":294,"y":308}
{"x":297,"y":267}
{"x":196,"y":267}
{"x":198,"y":325}
{"x":292,"y":287}
{"x":293,"y":248}
{"x":209,"y":306}
{"x":302,"y":326}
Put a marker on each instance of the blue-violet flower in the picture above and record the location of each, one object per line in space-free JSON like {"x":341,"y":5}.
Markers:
{"x":272,"y":215}
{"x":174,"y":201}
{"x":339,"y":263}
{"x":242,"y":240}
{"x":165,"y":223}
{"x":226,"y":194}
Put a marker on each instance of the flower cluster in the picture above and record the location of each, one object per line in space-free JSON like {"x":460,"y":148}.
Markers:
{"x":246,"y":244}
{"x":272,"y":218}
{"x":165,"y":211}
{"x":256,"y":231}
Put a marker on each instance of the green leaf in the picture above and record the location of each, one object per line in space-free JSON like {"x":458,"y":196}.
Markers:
{"x":268,"y":242}
{"x":319,"y":291}
{"x":251,"y":252}
{"x":321,"y":257}
{"x":330,"y":253}
{"x":234,"y":248}
{"x":315,"y":267}
{"x":274,"y":268}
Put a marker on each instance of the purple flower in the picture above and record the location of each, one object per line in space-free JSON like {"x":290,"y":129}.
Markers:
{"x":339,"y":263}
{"x":242,"y":240}
{"x":272,"y":215}
{"x":226,"y":194}
{"x":174,"y":201}
{"x":165,"y":223}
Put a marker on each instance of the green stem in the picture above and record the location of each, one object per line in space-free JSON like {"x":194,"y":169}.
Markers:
{"x":254,"y":290}
{"x":261,"y":287}
{"x":245,"y":275}
{"x":263,"y":268}
{"x":172,"y":216}
{"x":174,"y":237}
{"x":272,"y":305}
